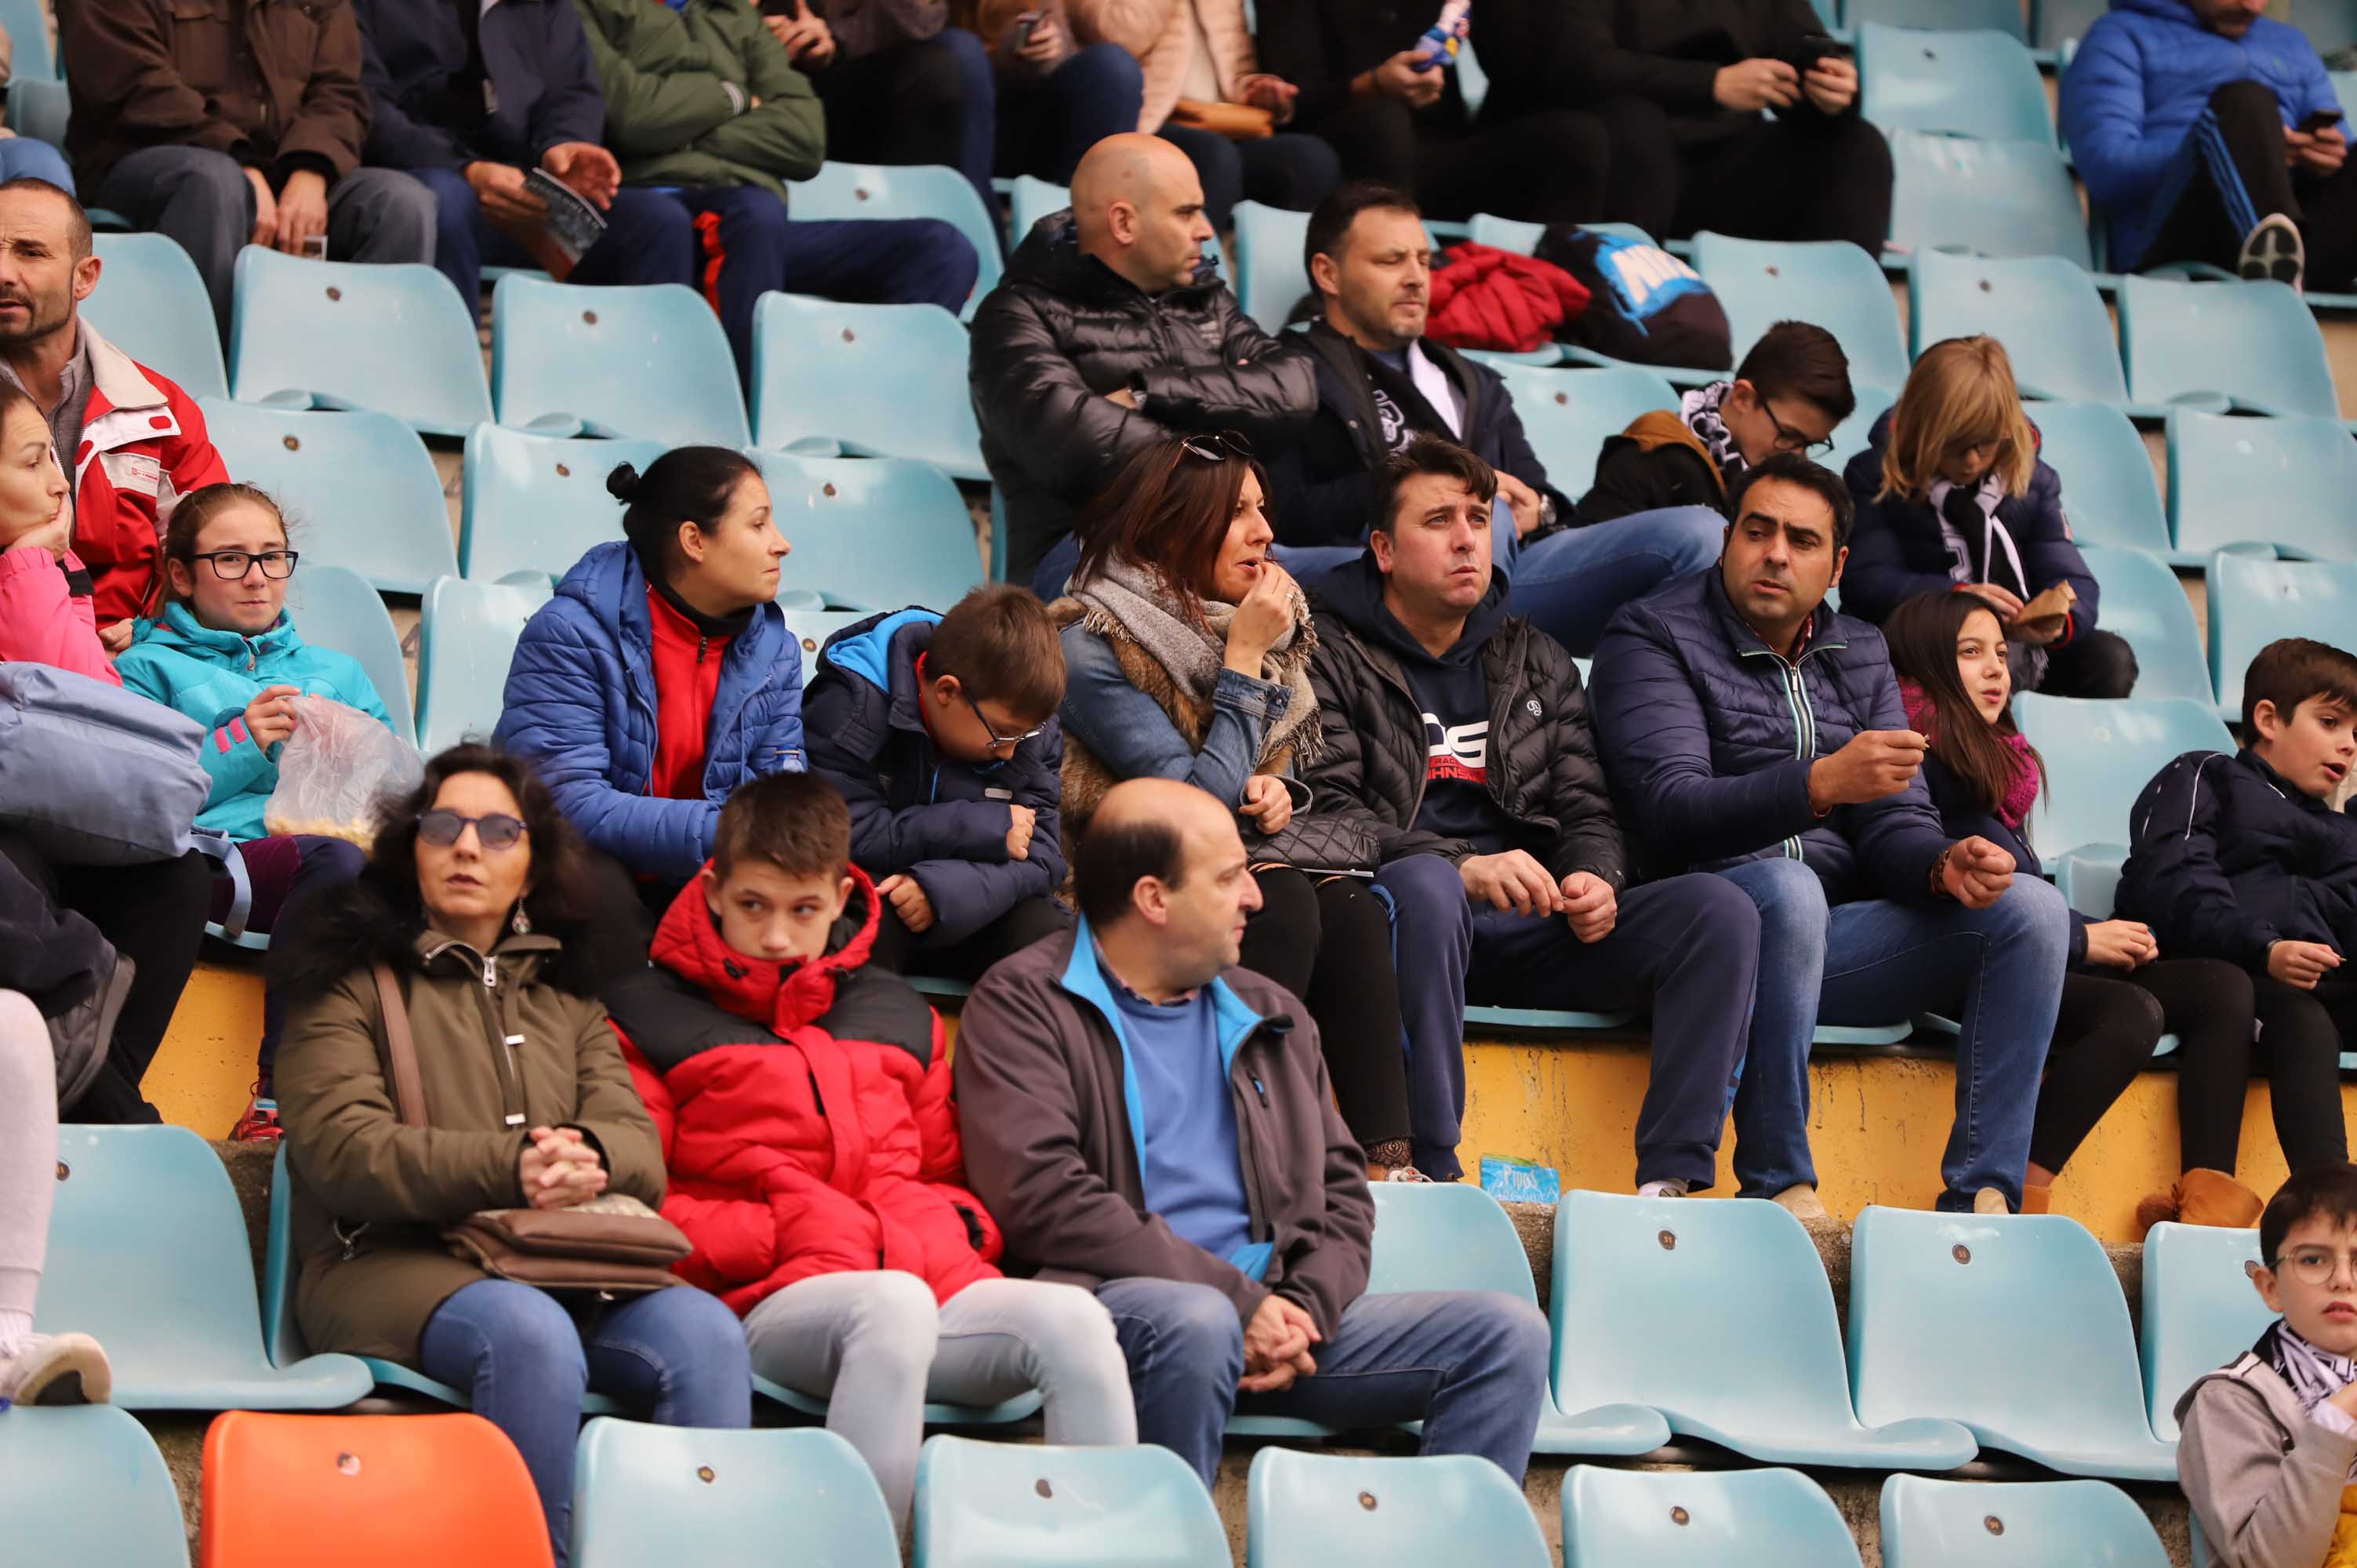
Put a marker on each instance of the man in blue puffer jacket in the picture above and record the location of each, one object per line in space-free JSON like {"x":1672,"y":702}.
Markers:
{"x":2201,"y":130}
{"x":1749,"y":730}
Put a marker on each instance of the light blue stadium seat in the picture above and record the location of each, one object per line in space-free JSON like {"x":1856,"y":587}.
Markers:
{"x":1941,"y":1321}
{"x":2107,"y":481}
{"x":1761,"y":1370}
{"x":2043,"y":309}
{"x":1946,"y":16}
{"x":466,"y":640}
{"x":1473,"y":81}
{"x":28,"y":33}
{"x":1967,"y":84}
{"x":2098,"y":757}
{"x":40,"y":108}
{"x":2289,"y":482}
{"x":393,"y":337}
{"x":1309,"y":1510}
{"x":2254,"y":344}
{"x":2200,"y":1310}
{"x":1568,"y":414}
{"x":1506,"y":233}
{"x":2142,"y":602}
{"x":869,"y":381}
{"x":2329,"y":25}
{"x":1852,"y":436}
{"x":2344,"y":88}
{"x":1830,"y":283}
{"x":150,"y":302}
{"x":360,"y":489}
{"x":649,"y":361}
{"x":645,"y":1494}
{"x":85,"y":1485}
{"x":811,"y":628}
{"x":1030,"y":200}
{"x":2027,"y":1524}
{"x":536,"y":503}
{"x":841,"y":190}
{"x":1701,"y":1519}
{"x":2059,"y":22}
{"x":1269,"y":281}
{"x":2254,"y":600}
{"x":1001,"y":1504}
{"x":2000,"y":198}
{"x":875,"y":532}
{"x":335,"y":608}
{"x":148,"y":1254}
{"x":2089,"y":878}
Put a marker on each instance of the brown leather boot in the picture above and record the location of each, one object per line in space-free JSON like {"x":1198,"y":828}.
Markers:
{"x":2213,"y":1197}
{"x":2155,"y":1208}
{"x":2035,"y":1199}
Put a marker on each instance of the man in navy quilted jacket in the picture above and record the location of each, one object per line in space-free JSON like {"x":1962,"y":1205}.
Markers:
{"x":1751,"y":730}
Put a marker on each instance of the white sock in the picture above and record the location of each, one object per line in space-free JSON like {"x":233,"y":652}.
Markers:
{"x":29,"y":1155}
{"x":13,"y":1326}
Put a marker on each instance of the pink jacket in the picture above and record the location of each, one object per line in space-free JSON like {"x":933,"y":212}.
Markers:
{"x":46,"y":615}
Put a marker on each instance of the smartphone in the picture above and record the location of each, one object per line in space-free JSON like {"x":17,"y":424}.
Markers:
{"x":1023,"y":25}
{"x":2319,"y":120}
{"x":315,"y":247}
{"x":1812,"y":49}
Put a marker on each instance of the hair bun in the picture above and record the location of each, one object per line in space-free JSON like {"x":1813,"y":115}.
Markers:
{"x":622,"y":483}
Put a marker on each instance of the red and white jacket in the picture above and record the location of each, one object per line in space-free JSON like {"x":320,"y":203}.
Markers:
{"x":143,"y":447}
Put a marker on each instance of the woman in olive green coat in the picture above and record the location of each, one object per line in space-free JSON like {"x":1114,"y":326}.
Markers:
{"x":469,"y":896}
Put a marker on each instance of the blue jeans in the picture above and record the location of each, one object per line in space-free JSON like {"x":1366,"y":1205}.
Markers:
{"x":647,"y":240}
{"x":674,"y":1356}
{"x":1046,"y":122}
{"x":1470,"y":1365}
{"x":1878,"y":961}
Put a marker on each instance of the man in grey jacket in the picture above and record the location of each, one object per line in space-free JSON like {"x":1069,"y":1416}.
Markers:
{"x":1146,"y":1119}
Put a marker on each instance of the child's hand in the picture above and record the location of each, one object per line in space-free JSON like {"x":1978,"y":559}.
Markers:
{"x":270,"y":717}
{"x":908,"y":901}
{"x":2120,"y":944}
{"x":2301,"y":964}
{"x":1021,"y":820}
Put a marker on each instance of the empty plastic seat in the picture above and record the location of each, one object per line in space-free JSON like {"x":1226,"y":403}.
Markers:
{"x":997,"y":1505}
{"x":396,"y":339}
{"x":813,"y":628}
{"x":2254,"y":344}
{"x":1031,"y":199}
{"x":645,"y":1494}
{"x":150,"y":302}
{"x":2142,"y":602}
{"x":1947,"y":16}
{"x":1830,"y":283}
{"x":878,"y":534}
{"x":2289,"y":482}
{"x":1568,"y":414}
{"x":2331,"y":25}
{"x":2044,"y":310}
{"x":360,"y":489}
{"x":86,"y":1485}
{"x":2107,"y":479}
{"x":2098,"y":757}
{"x":2001,"y":197}
{"x":1937,"y":1323}
{"x":148,"y":1252}
{"x":1969,"y":84}
{"x":1269,"y":280}
{"x":391,"y":1491}
{"x":2059,"y":22}
{"x":537,"y":503}
{"x":2089,"y":877}
{"x":911,"y":190}
{"x":1506,"y":233}
{"x":337,"y":609}
{"x":2027,"y":1524}
{"x":1761,"y":1370}
{"x":875,"y":381}
{"x":466,"y":640}
{"x":2200,"y":1310}
{"x":2254,"y":600}
{"x":1700,"y":1518}
{"x":28,"y":27}
{"x":648,"y":360}
{"x":1309,"y":1510}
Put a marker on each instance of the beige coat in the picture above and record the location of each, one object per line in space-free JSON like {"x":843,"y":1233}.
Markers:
{"x":1159,"y":33}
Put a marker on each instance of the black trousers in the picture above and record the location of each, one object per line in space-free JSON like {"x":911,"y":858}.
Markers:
{"x":1286,"y":171}
{"x":1329,"y":943}
{"x":2235,"y":173}
{"x":153,"y":914}
{"x":905,"y":105}
{"x":2301,"y":1035}
{"x":1546,"y":167}
{"x":904,"y":952}
{"x":626,"y":910}
{"x":1811,"y":177}
{"x":2105,"y":1035}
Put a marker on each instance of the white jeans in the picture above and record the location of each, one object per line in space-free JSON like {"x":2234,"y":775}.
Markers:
{"x":877,"y":1347}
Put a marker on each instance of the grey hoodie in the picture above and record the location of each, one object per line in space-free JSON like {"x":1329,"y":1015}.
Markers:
{"x":2264,"y":1479}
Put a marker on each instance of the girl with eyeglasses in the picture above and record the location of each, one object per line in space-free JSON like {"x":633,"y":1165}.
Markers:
{"x":218,"y":645}
{"x":1952,"y":497}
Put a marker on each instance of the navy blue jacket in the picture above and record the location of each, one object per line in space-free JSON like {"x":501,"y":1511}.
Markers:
{"x":1895,"y":550}
{"x":543,"y":83}
{"x":914,"y":812}
{"x":1964,"y":814}
{"x":580,"y":706}
{"x":1707,"y":735}
{"x":2225,"y":859}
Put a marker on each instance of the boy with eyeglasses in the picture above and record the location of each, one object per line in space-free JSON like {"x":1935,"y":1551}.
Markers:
{"x":2268,"y":1455}
{"x":940,"y":731}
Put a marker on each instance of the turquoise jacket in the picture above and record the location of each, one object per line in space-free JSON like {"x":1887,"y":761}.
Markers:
{"x":211,"y":676}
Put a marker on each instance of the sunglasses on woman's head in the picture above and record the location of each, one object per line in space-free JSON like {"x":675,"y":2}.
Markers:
{"x":1219,"y":447}
{"x":497,"y":831}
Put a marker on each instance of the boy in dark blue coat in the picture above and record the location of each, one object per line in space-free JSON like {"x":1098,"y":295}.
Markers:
{"x":941,"y":732}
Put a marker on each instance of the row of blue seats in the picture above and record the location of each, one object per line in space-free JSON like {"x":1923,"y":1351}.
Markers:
{"x":147,"y":1234}
{"x":2054,"y":24}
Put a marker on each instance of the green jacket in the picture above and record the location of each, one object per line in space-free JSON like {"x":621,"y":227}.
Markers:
{"x":681,"y":88}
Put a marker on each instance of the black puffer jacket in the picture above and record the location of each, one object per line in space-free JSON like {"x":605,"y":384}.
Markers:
{"x":1374,"y":756}
{"x":1062,"y":330}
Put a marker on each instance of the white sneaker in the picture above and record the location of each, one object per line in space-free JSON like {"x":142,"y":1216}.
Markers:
{"x":1988,"y":1200}
{"x":1668,"y":1186}
{"x":56,"y":1368}
{"x":2273,"y":250}
{"x":1804,"y":1204}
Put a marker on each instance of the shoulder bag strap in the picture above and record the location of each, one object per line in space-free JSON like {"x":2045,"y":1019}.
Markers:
{"x":400,"y":1048}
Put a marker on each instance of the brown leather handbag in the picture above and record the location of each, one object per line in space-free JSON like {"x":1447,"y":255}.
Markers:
{"x":614,"y":1244}
{"x":1236,"y":121}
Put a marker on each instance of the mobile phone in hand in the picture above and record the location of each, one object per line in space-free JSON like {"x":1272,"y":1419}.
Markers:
{"x":1023,"y":25}
{"x":315,"y":247}
{"x":2319,"y":120}
{"x":1817,"y":47}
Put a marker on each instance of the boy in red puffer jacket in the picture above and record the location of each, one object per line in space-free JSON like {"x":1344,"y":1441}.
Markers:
{"x":803,"y":1102}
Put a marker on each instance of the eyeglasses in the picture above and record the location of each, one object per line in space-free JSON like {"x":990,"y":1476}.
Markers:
{"x":1791,"y":440}
{"x":495,"y":832}
{"x":2315,"y":1265}
{"x":1218,"y":447}
{"x":231,"y":565}
{"x":996,"y":739}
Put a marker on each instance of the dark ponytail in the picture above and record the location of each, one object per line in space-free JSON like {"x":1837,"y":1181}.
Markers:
{"x":686,"y":484}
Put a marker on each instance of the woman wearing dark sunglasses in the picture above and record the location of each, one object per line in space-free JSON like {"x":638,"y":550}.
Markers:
{"x":1187,"y":656}
{"x":474,"y":895}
